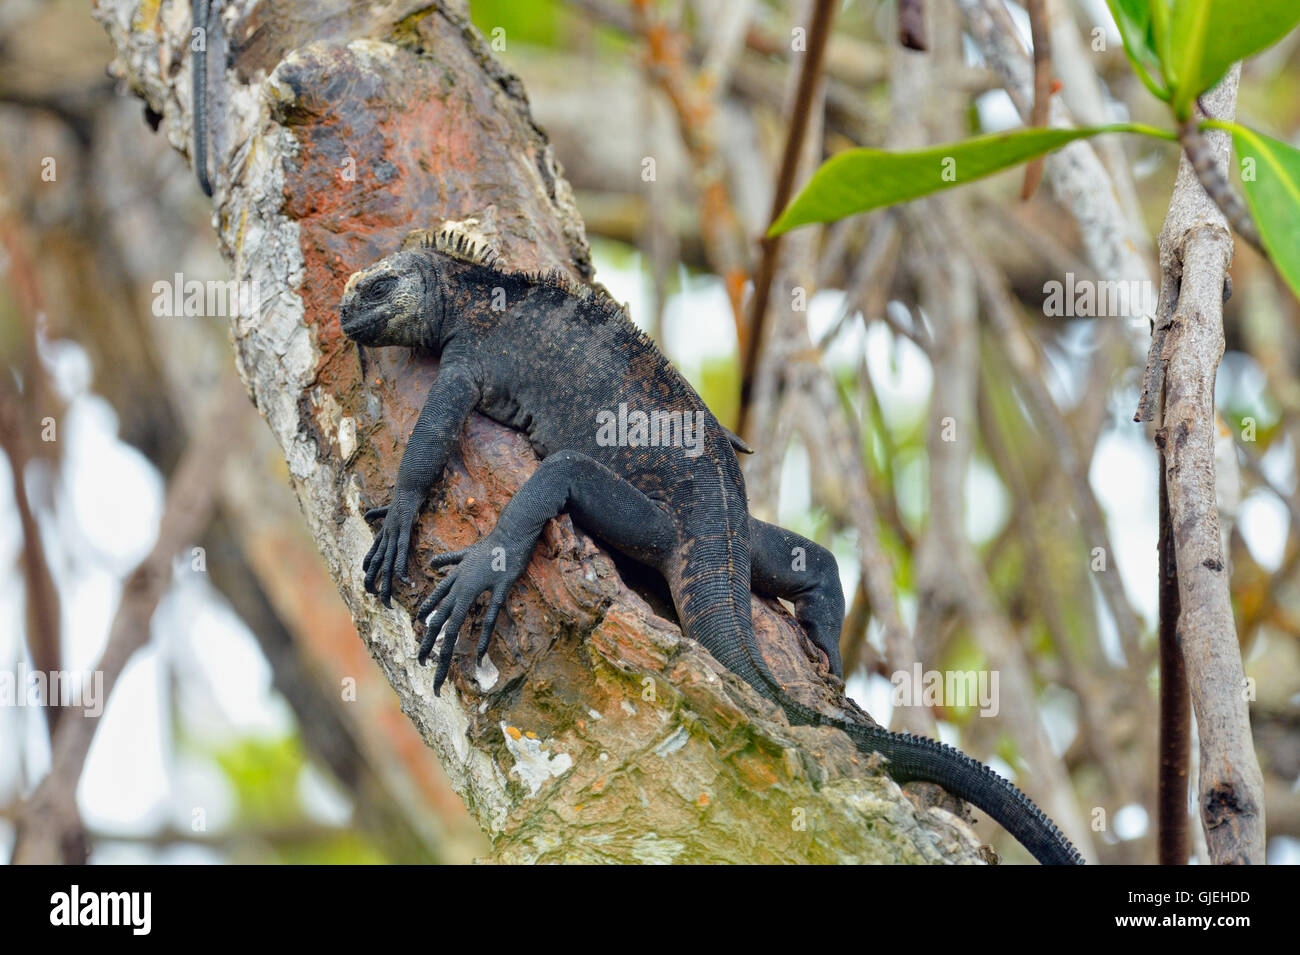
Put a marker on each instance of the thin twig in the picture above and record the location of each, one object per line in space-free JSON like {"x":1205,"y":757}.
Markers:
{"x":42,"y":597}
{"x":1042,"y":36}
{"x":823,"y":13}
{"x":1214,"y":180}
{"x":1076,"y":175}
{"x":19,"y":412}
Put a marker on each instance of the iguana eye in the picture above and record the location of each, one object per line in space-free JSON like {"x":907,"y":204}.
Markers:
{"x":381,"y":288}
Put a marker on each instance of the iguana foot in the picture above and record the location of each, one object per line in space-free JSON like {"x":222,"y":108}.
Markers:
{"x":598,"y":499}
{"x":493,"y":564}
{"x":390,"y":550}
{"x":785,"y":564}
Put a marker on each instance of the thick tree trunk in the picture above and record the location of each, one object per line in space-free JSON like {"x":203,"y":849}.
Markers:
{"x":595,"y":732}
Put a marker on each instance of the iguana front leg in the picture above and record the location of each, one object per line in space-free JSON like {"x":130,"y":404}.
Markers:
{"x":452,"y":397}
{"x":599,"y":501}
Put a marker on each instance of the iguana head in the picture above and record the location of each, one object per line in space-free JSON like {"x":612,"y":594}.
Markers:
{"x":399,"y":299}
{"x":396,"y":301}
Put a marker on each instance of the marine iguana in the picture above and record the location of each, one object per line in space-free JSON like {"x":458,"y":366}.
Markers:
{"x":558,"y":361}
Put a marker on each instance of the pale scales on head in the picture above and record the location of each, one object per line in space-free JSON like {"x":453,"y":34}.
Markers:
{"x":458,"y":240}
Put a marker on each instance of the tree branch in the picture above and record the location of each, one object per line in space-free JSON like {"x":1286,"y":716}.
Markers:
{"x":594,"y":732}
{"x":752,"y":341}
{"x":1195,"y":248}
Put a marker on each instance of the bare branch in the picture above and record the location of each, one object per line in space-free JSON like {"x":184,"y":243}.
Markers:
{"x":1214,"y":179}
{"x":823,"y":14}
{"x":1040,"y":24}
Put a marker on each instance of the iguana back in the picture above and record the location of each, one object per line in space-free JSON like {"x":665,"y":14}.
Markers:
{"x":572,"y":371}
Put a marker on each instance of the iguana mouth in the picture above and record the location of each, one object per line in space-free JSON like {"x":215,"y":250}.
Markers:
{"x":361,"y":329}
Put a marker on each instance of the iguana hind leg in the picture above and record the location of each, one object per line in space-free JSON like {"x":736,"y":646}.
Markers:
{"x":598,"y":500}
{"x":785,"y":564}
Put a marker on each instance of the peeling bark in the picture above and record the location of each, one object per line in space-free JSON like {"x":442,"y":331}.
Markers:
{"x":595,"y":732}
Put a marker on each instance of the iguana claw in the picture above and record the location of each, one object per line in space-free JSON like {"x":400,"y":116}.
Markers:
{"x":391,"y":548}
{"x":493,"y":564}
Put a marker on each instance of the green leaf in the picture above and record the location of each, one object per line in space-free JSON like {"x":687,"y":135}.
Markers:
{"x":1208,"y":36}
{"x":861,"y":179}
{"x":1133,"y":17}
{"x":1270,"y":177}
{"x":1160,"y":14}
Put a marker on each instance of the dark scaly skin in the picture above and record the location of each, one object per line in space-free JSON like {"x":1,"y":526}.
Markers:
{"x":547,"y":364}
{"x":200,"y":10}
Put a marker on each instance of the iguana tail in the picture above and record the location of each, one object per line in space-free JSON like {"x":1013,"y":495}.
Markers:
{"x":201,"y":10}
{"x":927,"y":760}
{"x":716,"y":565}
{"x":916,"y":758}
